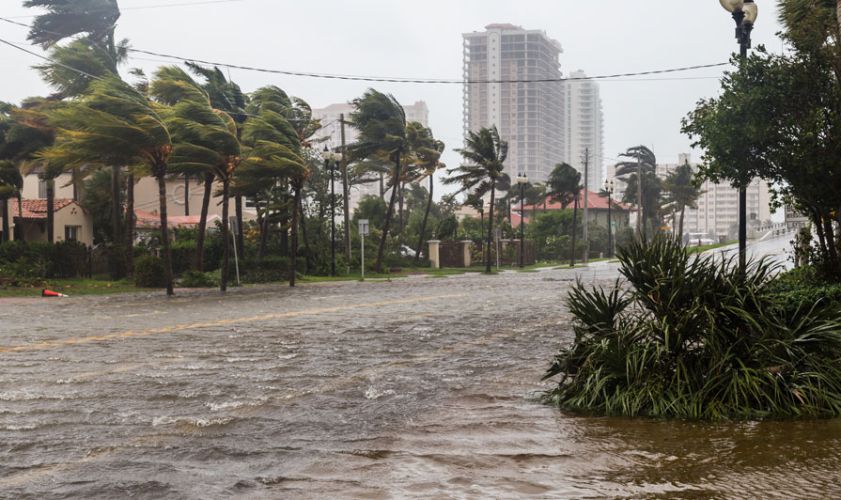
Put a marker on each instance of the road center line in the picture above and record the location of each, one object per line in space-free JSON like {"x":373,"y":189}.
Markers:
{"x":210,"y":324}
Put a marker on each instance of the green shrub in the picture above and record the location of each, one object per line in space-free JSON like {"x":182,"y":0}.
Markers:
{"x":65,"y":259}
{"x":149,"y":272}
{"x":692,"y":338}
{"x":195,"y":279}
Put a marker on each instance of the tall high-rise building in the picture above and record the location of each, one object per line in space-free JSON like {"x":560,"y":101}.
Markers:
{"x":584,"y":128}
{"x":331,"y":132}
{"x":507,"y":61}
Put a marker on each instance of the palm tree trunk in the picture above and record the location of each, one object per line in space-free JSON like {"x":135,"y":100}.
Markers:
{"x":425,"y":219}
{"x":5,"y":220}
{"x":389,"y":214}
{"x":240,"y":228}
{"x":226,"y":235}
{"x":682,"y":217}
{"x":205,"y":207}
{"x":186,"y":195}
{"x":400,"y":226}
{"x":303,"y":223}
{"x":481,"y":223}
{"x":574,"y":230}
{"x":293,"y":254}
{"x":490,"y":228}
{"x":130,"y":224}
{"x":165,"y":233}
{"x":829,"y":232}
{"x":20,"y":236}
{"x":50,"y":211}
{"x":382,"y":186}
{"x":115,"y":207}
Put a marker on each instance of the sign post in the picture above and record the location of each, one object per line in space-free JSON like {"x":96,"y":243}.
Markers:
{"x":363,"y":232}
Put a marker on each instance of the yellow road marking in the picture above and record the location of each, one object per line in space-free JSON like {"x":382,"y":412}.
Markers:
{"x":210,"y":324}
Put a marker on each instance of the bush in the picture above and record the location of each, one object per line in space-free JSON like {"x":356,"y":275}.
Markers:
{"x":195,"y":279}
{"x":692,"y":338}
{"x":66,"y":259}
{"x":149,"y":272}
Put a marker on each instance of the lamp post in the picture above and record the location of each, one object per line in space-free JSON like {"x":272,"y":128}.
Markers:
{"x":522,"y":180}
{"x":744,"y":13}
{"x":609,"y":187}
{"x":330,"y":160}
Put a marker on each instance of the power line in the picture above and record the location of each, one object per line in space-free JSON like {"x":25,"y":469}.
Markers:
{"x":147,"y":7}
{"x":48,"y":59}
{"x":426,"y":81}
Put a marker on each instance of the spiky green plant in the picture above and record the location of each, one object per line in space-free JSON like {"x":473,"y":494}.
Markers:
{"x":689,"y":337}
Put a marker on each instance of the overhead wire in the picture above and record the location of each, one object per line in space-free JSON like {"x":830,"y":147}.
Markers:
{"x":147,"y":7}
{"x":390,"y":79}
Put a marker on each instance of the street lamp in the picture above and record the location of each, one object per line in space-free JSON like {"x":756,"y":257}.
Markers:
{"x":744,"y":13}
{"x":331,"y":158}
{"x":522,"y":180}
{"x":609,"y":187}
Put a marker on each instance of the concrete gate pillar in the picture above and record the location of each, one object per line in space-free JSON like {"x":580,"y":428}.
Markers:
{"x":435,"y":253}
{"x":466,"y":246}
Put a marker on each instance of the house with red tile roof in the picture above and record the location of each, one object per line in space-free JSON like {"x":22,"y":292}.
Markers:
{"x":598,"y":207}
{"x":70,"y":221}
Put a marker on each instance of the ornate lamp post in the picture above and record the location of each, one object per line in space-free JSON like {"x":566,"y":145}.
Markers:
{"x":609,"y":187}
{"x":522,"y":180}
{"x":744,"y":13}
{"x":331,"y":159}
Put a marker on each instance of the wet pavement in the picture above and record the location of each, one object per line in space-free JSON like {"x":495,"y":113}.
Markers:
{"x":420,"y":388}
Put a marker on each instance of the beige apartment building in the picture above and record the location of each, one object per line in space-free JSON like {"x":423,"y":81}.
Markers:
{"x":506,"y":63}
{"x":583,"y":127}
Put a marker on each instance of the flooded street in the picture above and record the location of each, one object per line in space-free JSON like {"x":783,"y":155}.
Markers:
{"x":420,"y":387}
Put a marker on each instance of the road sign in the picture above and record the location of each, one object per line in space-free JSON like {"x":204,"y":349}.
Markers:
{"x":364,"y":228}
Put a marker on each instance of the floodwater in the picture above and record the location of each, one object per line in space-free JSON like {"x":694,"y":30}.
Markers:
{"x":419,"y":388}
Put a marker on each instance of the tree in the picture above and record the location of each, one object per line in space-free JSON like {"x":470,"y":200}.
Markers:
{"x":484,"y":154}
{"x":564,"y":184}
{"x":641,"y":163}
{"x":11,"y":184}
{"x":116,"y":125}
{"x":381,"y":122}
{"x":90,"y":24}
{"x":427,"y":152}
{"x":274,"y":153}
{"x":204,"y":139}
{"x":681,"y":192}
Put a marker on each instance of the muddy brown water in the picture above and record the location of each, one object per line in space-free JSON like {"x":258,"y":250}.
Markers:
{"x":419,"y":388}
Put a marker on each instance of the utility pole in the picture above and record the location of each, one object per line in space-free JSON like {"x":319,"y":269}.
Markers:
{"x":346,"y":193}
{"x":586,"y":205}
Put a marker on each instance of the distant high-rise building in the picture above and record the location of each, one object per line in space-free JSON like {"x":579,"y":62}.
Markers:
{"x":332,"y":131}
{"x":718,"y":206}
{"x":503,"y":60}
{"x":584,"y":128}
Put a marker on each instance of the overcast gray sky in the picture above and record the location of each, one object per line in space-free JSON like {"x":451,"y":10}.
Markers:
{"x":423,"y":39}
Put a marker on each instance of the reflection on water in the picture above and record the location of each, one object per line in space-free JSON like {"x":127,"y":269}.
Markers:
{"x":425,"y":399}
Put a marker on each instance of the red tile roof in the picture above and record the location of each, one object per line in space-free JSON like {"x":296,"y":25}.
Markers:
{"x":594,"y":201}
{"x":152,"y":220}
{"x":37,"y":209}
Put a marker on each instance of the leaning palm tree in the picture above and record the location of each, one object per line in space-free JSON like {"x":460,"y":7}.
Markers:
{"x":681,"y":192}
{"x":204,"y":138}
{"x":640,"y":166}
{"x":11,"y":184}
{"x":427,"y":152}
{"x":485,"y":154}
{"x":274,"y":153}
{"x":116,"y":125}
{"x":381,"y":122}
{"x":564,"y":184}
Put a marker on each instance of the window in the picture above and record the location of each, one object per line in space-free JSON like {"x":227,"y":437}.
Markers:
{"x":72,"y":233}
{"x":42,"y":189}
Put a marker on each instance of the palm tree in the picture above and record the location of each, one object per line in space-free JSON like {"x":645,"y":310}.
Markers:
{"x":381,"y":122}
{"x":97,"y":52}
{"x":640,"y":167}
{"x":274,"y":154}
{"x":205,"y":139}
{"x":564,"y":184}
{"x":227,"y":96}
{"x":485,"y":154}
{"x":116,"y":125}
{"x":681,"y":191}
{"x":11,"y":184}
{"x":427,"y":152}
